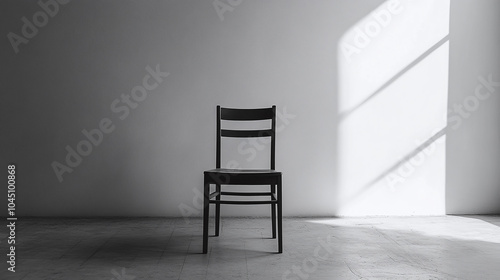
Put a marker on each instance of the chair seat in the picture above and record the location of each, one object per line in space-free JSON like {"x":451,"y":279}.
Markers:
{"x":242,"y":171}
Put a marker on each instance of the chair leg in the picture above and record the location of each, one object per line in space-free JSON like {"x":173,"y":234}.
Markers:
{"x":273,"y":211}
{"x":206,"y":208}
{"x":217,"y":211}
{"x":280,"y":225}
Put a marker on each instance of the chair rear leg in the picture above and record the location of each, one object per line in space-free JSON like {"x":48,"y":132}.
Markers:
{"x":217,"y":211}
{"x":280,"y":225}
{"x":273,"y":211}
{"x":206,"y":208}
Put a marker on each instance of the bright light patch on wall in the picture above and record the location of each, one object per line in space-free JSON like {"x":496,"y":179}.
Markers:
{"x":393,"y":88}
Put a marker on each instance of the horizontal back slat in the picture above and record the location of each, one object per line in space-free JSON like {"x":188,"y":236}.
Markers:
{"x":246,"y":114}
{"x":246,"y":133}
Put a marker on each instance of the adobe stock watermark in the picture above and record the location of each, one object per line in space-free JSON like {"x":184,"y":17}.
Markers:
{"x":405,"y":170}
{"x":310,"y":264}
{"x":456,"y":115}
{"x":222,"y":6}
{"x":363,"y":36}
{"x":121,"y":276}
{"x":29,"y":29}
{"x":121,"y":107}
{"x":250,"y":147}
{"x":253,"y":145}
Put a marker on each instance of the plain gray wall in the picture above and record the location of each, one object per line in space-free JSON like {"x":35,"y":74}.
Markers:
{"x":261,"y":53}
{"x":473,"y":150}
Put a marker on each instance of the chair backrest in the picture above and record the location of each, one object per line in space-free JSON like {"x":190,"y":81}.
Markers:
{"x":231,"y":114}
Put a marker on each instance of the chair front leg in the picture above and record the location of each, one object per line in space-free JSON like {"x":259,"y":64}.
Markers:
{"x":280,"y":225}
{"x":273,"y":210}
{"x":206,"y":208}
{"x":217,"y":210}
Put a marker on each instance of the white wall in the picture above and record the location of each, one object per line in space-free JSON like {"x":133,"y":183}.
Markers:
{"x":65,"y":78}
{"x":393,"y":89}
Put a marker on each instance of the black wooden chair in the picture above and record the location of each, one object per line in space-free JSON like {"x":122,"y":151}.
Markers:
{"x":221,"y":176}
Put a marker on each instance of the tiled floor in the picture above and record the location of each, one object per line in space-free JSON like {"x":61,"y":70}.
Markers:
{"x":451,"y":247}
